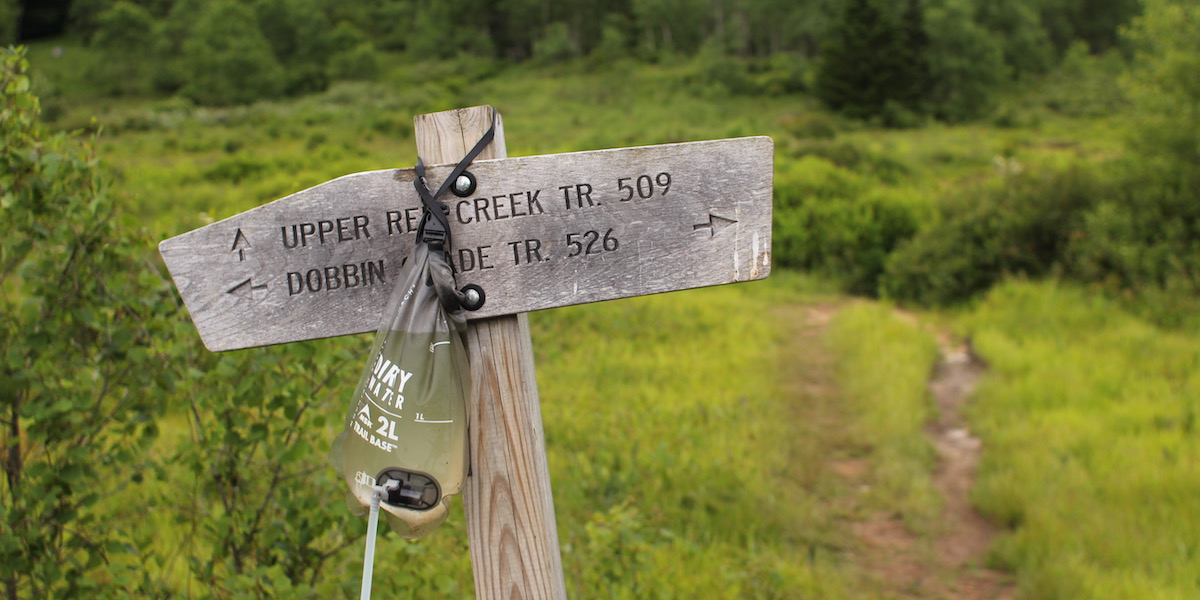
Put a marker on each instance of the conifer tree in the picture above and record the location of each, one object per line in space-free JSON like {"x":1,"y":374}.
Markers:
{"x":859,"y":68}
{"x":912,"y":77}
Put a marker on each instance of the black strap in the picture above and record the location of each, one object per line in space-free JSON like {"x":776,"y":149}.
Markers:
{"x":435,"y":225}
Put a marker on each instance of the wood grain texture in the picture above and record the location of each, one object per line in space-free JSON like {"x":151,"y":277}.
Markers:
{"x":320,"y":262}
{"x":508,"y":503}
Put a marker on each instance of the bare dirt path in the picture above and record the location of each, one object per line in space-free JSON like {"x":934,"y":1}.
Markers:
{"x":960,"y":549}
{"x":948,"y":563}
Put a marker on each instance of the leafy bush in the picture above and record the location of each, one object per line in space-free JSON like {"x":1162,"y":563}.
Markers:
{"x":836,"y":222}
{"x":227,"y":60}
{"x":1144,"y":243}
{"x":853,"y":156}
{"x":1082,"y":86}
{"x":555,"y":44}
{"x":781,"y":74}
{"x":716,"y":72}
{"x":359,"y":62}
{"x":1132,"y":230}
{"x":80,"y":310}
{"x":1017,"y":25}
{"x":966,"y":61}
{"x":1162,"y":86}
{"x":815,"y":125}
{"x":1021,"y":224}
{"x":268,"y":510}
{"x":613,"y":45}
{"x":124,"y":40}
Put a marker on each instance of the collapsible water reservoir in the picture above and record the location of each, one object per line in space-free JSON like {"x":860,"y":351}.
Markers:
{"x":408,"y":420}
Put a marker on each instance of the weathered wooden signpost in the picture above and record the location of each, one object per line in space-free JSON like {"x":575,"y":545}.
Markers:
{"x":535,"y":232}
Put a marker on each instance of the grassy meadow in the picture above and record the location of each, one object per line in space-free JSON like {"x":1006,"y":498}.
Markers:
{"x":1092,"y":457}
{"x":690,"y":435}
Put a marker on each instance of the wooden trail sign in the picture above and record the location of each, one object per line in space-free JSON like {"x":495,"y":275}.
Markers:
{"x":580,"y":227}
{"x":537,"y":232}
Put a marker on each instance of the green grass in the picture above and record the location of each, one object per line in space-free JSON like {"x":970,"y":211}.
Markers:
{"x":670,"y":443}
{"x":1091,"y":451}
{"x":882,"y":366}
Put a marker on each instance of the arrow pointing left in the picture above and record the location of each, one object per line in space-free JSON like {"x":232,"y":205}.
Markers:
{"x":246,"y":288}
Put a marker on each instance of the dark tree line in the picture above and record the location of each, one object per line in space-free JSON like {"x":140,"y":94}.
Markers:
{"x":896,"y":59}
{"x":510,"y":28}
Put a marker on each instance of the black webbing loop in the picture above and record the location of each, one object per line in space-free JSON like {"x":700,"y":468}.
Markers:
{"x":435,"y":224}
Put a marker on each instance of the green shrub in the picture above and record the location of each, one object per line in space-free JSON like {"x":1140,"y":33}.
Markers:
{"x":836,"y":222}
{"x":359,"y":62}
{"x":1082,"y":86}
{"x":1018,"y":225}
{"x":227,"y":60}
{"x":1008,"y":116}
{"x":1144,"y":243}
{"x":966,"y":61}
{"x":815,"y":125}
{"x":781,"y":74}
{"x":715,"y":71}
{"x":82,"y":316}
{"x":614,"y":43}
{"x":124,"y":43}
{"x":854,"y":157}
{"x":1161,"y":86}
{"x":555,"y":44}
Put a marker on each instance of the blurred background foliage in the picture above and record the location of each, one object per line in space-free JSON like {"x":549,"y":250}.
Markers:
{"x":989,"y":164}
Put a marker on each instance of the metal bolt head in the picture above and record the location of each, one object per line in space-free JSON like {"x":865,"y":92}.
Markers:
{"x":463,"y":185}
{"x":473,"y":297}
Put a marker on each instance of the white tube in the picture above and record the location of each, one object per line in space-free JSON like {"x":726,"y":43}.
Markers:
{"x":369,"y":557}
{"x":381,"y":492}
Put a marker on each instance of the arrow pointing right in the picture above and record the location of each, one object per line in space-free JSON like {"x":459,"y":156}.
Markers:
{"x":714,"y":225}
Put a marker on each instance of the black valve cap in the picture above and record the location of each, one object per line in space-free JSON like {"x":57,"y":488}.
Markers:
{"x":417,"y":491}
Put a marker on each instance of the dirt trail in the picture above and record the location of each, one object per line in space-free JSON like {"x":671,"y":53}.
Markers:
{"x":963,"y":545}
{"x":949,"y":564}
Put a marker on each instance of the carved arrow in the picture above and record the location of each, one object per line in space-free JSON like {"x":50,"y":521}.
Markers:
{"x":246,"y":288}
{"x":714,"y":225}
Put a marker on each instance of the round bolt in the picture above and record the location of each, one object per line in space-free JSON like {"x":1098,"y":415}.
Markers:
{"x":473,"y":297}
{"x":464,"y":185}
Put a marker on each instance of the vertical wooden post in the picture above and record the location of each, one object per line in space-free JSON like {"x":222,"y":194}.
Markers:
{"x":509,"y":507}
